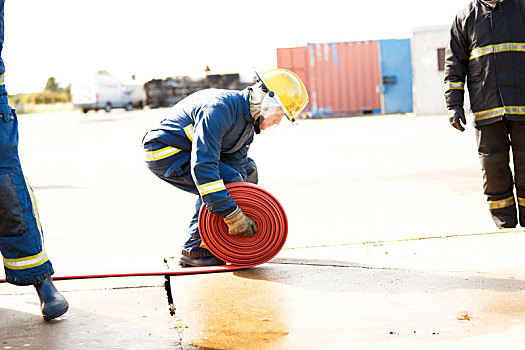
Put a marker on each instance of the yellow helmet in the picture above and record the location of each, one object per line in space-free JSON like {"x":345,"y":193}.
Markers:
{"x":288,"y":88}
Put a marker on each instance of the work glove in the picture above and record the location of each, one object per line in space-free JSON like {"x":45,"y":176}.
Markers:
{"x":239,"y":224}
{"x":456,"y":117}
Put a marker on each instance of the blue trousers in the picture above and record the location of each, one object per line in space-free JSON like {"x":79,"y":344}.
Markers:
{"x":21,"y":239}
{"x":175,"y":170}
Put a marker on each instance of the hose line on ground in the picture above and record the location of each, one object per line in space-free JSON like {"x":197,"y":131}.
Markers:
{"x":239,"y":252}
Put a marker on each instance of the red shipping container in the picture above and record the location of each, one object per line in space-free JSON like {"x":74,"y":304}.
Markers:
{"x":341,"y":78}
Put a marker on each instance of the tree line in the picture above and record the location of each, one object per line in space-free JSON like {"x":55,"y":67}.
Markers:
{"x":52,"y":93}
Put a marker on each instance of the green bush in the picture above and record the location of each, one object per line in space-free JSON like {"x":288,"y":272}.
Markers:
{"x":45,"y":97}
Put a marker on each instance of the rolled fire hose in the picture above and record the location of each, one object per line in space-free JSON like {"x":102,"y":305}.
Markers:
{"x":269,"y":216}
{"x":239,"y":252}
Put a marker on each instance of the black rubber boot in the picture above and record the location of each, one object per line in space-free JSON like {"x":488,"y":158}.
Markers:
{"x":188,"y":261}
{"x":52,"y":303}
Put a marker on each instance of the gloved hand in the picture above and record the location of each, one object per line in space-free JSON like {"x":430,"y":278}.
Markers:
{"x":456,"y":116}
{"x":239,"y":224}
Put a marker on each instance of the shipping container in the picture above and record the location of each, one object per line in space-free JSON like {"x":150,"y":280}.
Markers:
{"x":352,"y":78}
{"x":396,"y":72}
{"x":343,"y":78}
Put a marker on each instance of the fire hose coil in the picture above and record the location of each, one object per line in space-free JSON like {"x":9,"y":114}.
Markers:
{"x":260,"y":206}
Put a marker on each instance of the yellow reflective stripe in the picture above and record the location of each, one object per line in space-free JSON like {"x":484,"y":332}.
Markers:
{"x":514,"y":109}
{"x":504,"y":47}
{"x":521,"y":201}
{"x":499,"y":111}
{"x":211,"y":187}
{"x":519,"y":47}
{"x":502,"y":203}
{"x":161,"y":153}
{"x":481,"y":51}
{"x":33,"y":204}
{"x":189,"y":132}
{"x":455,"y":85}
{"x":2,"y":78}
{"x":489,"y":113}
{"x":26,"y":262}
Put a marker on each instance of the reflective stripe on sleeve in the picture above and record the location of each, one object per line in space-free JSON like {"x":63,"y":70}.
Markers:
{"x":521,"y":201}
{"x":2,"y":78}
{"x":211,"y":187}
{"x":455,"y":85}
{"x":161,"y":153}
{"x":502,"y":203}
{"x":504,"y":47}
{"x":27,"y":262}
{"x":189,"y":132}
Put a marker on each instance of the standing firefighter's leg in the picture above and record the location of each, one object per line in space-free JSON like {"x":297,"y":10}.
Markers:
{"x":493,"y":149}
{"x":517,"y":135}
{"x":21,"y":243}
{"x":25,"y":259}
{"x":21,"y":240}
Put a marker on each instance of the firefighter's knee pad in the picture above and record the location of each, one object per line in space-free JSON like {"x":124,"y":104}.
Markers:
{"x":519,"y":168}
{"x":12,"y":221}
{"x":497,"y":176}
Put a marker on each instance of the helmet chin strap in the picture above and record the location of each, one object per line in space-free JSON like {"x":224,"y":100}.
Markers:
{"x":256,"y":96}
{"x":256,"y":123}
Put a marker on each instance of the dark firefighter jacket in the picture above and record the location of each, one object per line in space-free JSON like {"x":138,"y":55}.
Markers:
{"x":210,"y":126}
{"x":488,"y":47}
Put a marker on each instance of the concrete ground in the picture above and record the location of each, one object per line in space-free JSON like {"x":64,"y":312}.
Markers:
{"x":390,"y":242}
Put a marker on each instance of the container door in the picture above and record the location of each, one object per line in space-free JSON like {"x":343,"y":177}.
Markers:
{"x":396,"y":74}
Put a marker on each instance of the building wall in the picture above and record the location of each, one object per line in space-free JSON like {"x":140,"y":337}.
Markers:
{"x":428,"y":81}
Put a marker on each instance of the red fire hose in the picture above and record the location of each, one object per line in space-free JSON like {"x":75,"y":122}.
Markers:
{"x":272,"y":227}
{"x":239,"y":252}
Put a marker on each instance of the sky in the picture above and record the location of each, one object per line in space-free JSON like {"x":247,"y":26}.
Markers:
{"x":71,"y":39}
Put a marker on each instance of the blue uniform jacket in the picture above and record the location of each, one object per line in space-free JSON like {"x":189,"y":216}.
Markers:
{"x":208,"y":127}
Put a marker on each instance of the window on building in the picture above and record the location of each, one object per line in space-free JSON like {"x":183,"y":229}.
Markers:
{"x":441,"y":59}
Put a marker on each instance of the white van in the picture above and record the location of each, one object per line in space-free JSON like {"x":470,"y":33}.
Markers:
{"x":137,"y":94}
{"x":101,"y":91}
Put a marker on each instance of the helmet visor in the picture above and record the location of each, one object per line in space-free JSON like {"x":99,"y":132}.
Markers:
{"x":271,"y":105}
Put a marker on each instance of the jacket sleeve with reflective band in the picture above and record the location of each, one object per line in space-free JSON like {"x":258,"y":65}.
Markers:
{"x":456,"y":63}
{"x":211,"y":124}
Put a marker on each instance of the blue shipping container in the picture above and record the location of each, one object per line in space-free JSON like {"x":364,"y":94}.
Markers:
{"x":396,"y":73}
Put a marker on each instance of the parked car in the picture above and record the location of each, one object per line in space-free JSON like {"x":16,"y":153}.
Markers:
{"x":101,"y":91}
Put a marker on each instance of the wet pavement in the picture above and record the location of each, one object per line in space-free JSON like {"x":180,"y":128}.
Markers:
{"x":390,"y":243}
{"x":114,"y":318}
{"x":383,"y":295}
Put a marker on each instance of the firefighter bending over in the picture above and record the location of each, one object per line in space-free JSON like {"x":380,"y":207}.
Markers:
{"x":203,"y":145}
